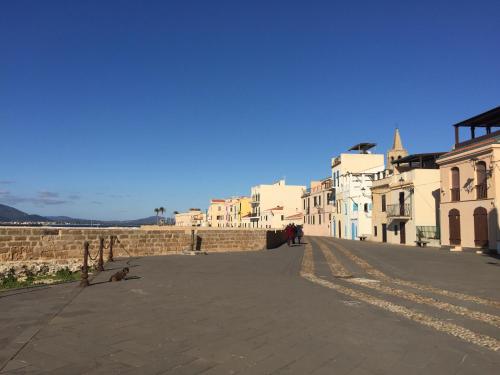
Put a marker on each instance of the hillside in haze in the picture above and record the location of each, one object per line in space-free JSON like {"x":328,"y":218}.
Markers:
{"x":10,"y":214}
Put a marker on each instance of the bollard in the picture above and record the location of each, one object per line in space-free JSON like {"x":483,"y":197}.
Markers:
{"x":192,"y":240}
{"x":100,"y":262}
{"x":111,"y":243}
{"x":85,"y":268}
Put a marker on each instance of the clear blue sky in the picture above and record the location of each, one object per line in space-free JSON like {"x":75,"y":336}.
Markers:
{"x":111,"y":108}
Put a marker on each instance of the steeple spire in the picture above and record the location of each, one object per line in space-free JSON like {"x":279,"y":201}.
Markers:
{"x":397,"y":144}
{"x":397,"y":151}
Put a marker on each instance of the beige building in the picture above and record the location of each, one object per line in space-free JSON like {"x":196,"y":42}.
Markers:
{"x":228,"y":213}
{"x":317,"y":206}
{"x":193,"y":218}
{"x":216,"y":214}
{"x":236,"y":209}
{"x":470,"y":186}
{"x":406,"y":201}
{"x":265,"y":202}
{"x":406,"y":198}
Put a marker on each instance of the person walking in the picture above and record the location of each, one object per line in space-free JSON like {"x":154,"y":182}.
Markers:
{"x":300,"y":233}
{"x":289,"y":232}
{"x":294,"y":233}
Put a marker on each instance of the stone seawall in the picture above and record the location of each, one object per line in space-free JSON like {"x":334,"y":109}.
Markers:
{"x":40,"y":244}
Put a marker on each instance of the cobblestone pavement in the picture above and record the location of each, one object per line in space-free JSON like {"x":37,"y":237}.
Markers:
{"x":329,"y":307}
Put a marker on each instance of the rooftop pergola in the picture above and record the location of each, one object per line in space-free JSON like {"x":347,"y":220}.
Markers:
{"x":363,"y":147}
{"x":424,"y":161}
{"x":488,"y":120}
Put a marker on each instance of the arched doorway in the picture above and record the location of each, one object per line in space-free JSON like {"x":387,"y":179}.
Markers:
{"x":481,"y":227}
{"x":454,"y":222}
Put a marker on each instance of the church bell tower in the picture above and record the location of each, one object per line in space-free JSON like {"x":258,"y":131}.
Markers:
{"x":397,"y":151}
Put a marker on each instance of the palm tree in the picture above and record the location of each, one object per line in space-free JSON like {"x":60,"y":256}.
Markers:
{"x":157,"y":211}
{"x":162,"y":211}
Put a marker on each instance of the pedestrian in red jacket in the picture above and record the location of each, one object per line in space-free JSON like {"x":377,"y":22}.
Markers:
{"x":290,"y":234}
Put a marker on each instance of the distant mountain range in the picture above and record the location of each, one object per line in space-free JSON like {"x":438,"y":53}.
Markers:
{"x":10,"y":215}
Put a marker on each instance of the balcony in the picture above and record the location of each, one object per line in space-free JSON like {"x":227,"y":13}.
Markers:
{"x":399,"y":210}
{"x":481,"y":191}
{"x":455,"y":194}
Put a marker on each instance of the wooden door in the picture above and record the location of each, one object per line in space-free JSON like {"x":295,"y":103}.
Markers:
{"x":340,"y":230}
{"x":481,"y":227}
{"x":402,"y":203}
{"x":454,"y":223}
{"x":384,"y":232}
{"x":402,"y":232}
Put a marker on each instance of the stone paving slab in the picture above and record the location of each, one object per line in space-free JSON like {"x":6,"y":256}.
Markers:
{"x":236,"y":313}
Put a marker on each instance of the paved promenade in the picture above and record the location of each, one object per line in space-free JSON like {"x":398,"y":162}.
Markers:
{"x":327,"y":307}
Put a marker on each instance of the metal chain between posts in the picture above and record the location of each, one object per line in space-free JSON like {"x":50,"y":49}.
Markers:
{"x":99,"y":257}
{"x":94,"y":258}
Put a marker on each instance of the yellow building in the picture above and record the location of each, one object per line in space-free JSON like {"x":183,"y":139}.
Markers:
{"x":244,"y":208}
{"x":229,"y":212}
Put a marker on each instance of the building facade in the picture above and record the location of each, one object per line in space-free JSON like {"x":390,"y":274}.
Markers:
{"x":317,"y":206}
{"x":236,"y":209}
{"x":352,"y":177}
{"x":266,"y":198}
{"x":470,"y":186}
{"x":192,"y":218}
{"x":406,"y":201}
{"x":216,"y":214}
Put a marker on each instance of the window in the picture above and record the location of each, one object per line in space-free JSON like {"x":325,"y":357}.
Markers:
{"x":315,"y":202}
{"x":455,"y":184}
{"x":366,"y":207}
{"x":330,"y":217}
{"x":319,"y":200}
{"x":396,"y":230}
{"x":282,"y":217}
{"x":383,"y":203}
{"x":355,"y":207}
{"x":319,"y":219}
{"x":304,"y":201}
{"x":313,"y":220}
{"x":481,"y":192}
{"x":375,"y":231}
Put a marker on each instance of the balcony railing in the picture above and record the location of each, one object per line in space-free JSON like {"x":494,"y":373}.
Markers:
{"x":455,"y":194}
{"x":399,"y":210}
{"x":481,"y":191}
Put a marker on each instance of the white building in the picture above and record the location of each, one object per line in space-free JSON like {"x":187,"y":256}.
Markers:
{"x":271,"y":204}
{"x":193,"y":218}
{"x":352,"y":176}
